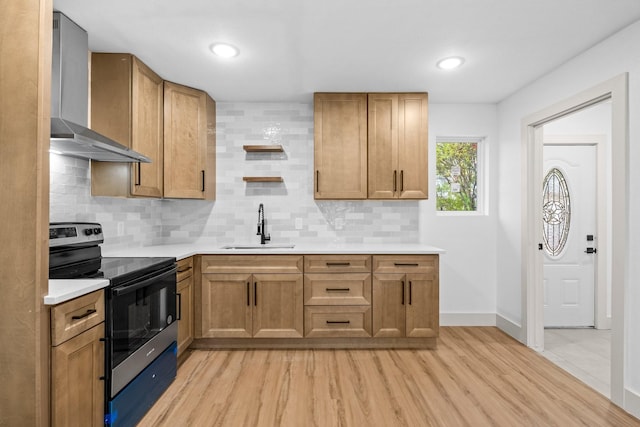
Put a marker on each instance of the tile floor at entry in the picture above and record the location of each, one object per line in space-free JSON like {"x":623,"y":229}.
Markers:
{"x":584,"y":353}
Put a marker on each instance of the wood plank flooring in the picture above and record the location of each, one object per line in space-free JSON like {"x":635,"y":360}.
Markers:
{"x":478,"y":376}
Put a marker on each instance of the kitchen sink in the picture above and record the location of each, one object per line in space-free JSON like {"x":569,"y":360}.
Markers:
{"x":268,"y":246}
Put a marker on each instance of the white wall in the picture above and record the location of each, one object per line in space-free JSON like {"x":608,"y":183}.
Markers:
{"x":468,"y":269}
{"x":614,"y":56}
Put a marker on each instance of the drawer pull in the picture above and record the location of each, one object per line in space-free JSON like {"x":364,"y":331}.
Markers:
{"x":184,"y":269}
{"x":338,"y":264}
{"x":338,"y":322}
{"x":403,"y":293}
{"x":179,"y":301}
{"x":410,"y":289}
{"x":337,"y":289}
{"x":248,"y":293}
{"x":86,"y":314}
{"x":406,"y":264}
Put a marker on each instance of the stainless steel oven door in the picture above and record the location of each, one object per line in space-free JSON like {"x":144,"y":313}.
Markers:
{"x":141,"y":325}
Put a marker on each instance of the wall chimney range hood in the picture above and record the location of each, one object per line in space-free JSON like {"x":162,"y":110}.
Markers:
{"x":70,"y":135}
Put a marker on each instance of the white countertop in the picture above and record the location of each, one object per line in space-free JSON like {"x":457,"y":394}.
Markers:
{"x":65,"y":290}
{"x":181,"y":251}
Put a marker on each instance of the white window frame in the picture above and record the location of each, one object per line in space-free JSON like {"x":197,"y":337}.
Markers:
{"x":481,"y":169}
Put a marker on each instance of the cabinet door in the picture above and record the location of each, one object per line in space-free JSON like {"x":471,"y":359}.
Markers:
{"x":340,"y":146}
{"x":226,"y":305}
{"x":412,"y":146}
{"x":422,"y":305}
{"x":185,"y":308}
{"x":147,"y":130}
{"x":77,"y":392}
{"x":383,"y":145}
{"x":389,"y":305}
{"x":278,"y":306}
{"x":185,"y":141}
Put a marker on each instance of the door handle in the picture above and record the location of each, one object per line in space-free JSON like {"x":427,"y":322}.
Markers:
{"x":591,"y":251}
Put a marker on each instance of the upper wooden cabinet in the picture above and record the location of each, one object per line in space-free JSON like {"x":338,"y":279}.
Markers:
{"x":340,"y":153}
{"x":127,"y":106}
{"x":189,"y":143}
{"x":174,"y":125}
{"x":371,"y":146}
{"x":397,"y":135}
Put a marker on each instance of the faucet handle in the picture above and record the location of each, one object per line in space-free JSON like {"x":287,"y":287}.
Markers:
{"x":267,"y":238}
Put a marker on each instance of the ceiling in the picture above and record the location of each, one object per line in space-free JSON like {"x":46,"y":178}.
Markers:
{"x":292,"y":48}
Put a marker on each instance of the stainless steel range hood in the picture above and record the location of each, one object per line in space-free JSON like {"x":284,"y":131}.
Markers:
{"x":70,"y":135}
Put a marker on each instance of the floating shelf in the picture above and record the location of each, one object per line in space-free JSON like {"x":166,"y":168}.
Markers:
{"x":263,"y":148}
{"x":262,"y":178}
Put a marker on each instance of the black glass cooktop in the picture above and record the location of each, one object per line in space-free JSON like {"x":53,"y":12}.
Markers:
{"x":117,"y":269}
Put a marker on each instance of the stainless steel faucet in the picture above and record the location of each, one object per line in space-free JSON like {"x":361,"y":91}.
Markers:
{"x":264,"y":238}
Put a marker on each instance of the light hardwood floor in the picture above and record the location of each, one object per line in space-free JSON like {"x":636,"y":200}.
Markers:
{"x":476,"y":377}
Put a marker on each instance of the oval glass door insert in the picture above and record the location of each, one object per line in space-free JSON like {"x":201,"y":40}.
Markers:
{"x":556,"y":212}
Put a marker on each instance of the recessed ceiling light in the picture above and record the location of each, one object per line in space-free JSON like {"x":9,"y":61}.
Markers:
{"x":450,"y":63}
{"x":224,"y":50}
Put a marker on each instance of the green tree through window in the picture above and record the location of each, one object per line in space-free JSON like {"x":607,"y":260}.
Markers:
{"x":456,"y":176}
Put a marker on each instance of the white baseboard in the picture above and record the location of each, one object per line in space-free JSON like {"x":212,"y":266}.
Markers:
{"x":467,"y":319}
{"x":509,"y":327}
{"x":632,"y":402}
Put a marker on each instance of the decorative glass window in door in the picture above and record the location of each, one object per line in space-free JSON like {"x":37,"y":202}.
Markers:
{"x":556,"y":212}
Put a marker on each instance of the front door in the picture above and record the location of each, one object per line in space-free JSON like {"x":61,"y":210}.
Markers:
{"x":569,"y":221}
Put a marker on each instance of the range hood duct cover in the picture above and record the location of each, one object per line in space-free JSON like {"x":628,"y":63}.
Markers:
{"x":70,"y":135}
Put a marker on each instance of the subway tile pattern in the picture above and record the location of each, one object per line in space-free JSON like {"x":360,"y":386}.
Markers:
{"x":233,"y":216}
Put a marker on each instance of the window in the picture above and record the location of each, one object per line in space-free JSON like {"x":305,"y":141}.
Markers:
{"x":556,"y":212}
{"x":457,"y":174}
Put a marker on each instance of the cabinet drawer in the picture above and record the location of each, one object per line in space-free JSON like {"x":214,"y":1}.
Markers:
{"x":337,"y":263}
{"x":335,"y":322}
{"x":427,"y":264}
{"x":76,"y":316}
{"x":185,"y":268}
{"x":231,"y":264}
{"x":337,"y":289}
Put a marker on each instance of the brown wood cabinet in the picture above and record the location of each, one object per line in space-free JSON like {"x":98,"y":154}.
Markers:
{"x":77,"y":361}
{"x":334,"y":300}
{"x":337,"y":296}
{"x":185,"y":289}
{"x":340,"y":145}
{"x":397,"y":145}
{"x":371,"y":145}
{"x":189,"y":143}
{"x":127,"y":106}
{"x":249,"y":296}
{"x":174,"y":125}
{"x":405,"y":296}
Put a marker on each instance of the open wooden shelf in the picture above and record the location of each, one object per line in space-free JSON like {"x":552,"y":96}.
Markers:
{"x":262,"y":178}
{"x":263,"y":148}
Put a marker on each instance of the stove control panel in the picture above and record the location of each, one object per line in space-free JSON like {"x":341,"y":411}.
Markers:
{"x":74,"y":234}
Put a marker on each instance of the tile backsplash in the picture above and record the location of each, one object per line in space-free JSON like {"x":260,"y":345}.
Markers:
{"x":291,"y":212}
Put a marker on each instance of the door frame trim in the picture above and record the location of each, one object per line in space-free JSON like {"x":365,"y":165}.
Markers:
{"x":602,"y":319}
{"x":615,"y":89}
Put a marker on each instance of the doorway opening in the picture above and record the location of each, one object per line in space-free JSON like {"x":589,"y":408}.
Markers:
{"x":615,"y":92}
{"x":576,"y":205}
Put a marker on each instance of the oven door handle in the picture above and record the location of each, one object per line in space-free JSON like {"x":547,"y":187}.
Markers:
{"x":125,"y":289}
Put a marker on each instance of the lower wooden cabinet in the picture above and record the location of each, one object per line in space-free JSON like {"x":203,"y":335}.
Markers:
{"x":405,"y":297}
{"x":185,"y":302}
{"x":319,"y":300}
{"x":77,"y":362}
{"x":337,"y":321}
{"x":261,"y":305}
